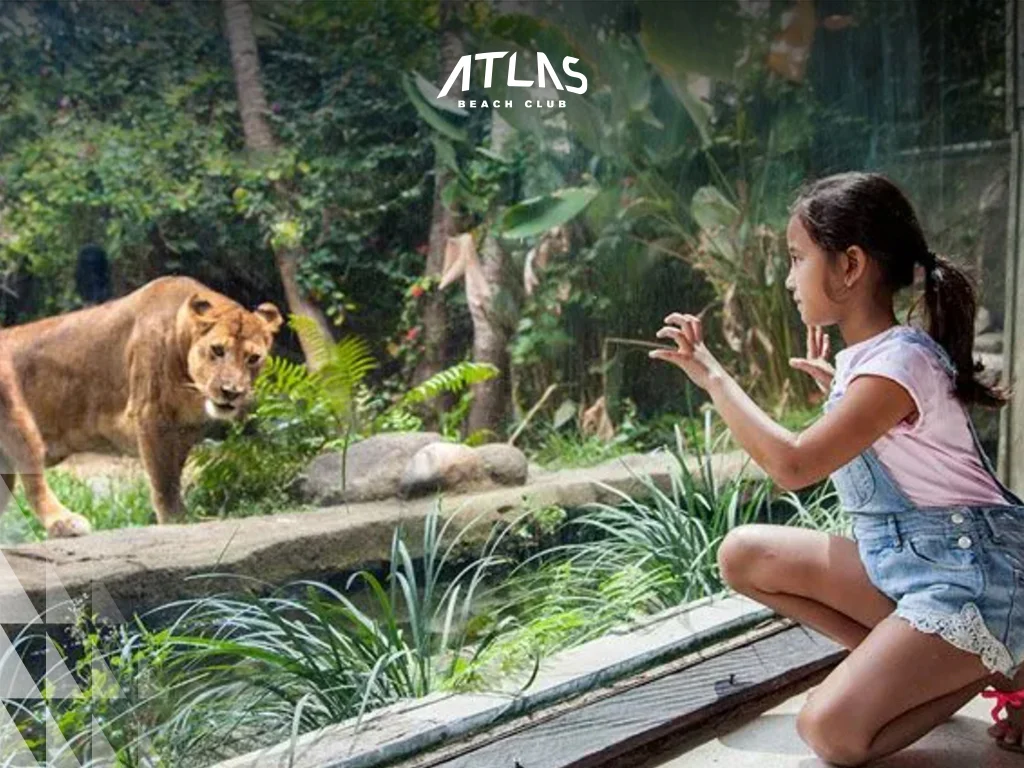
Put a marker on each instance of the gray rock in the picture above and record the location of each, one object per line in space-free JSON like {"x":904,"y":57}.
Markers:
{"x":505,"y":464}
{"x":992,"y":369}
{"x":444,"y":467}
{"x":989,"y":342}
{"x":982,"y":321}
{"x":373,"y":469}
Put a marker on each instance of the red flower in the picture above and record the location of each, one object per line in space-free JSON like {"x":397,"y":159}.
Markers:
{"x":416,"y":291}
{"x":412,"y":333}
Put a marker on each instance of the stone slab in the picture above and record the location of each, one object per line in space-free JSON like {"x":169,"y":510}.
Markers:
{"x":142,"y":568}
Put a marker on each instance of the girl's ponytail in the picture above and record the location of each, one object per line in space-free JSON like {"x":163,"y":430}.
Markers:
{"x":950,"y":302}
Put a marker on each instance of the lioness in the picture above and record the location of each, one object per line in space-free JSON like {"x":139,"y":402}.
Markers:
{"x":139,"y":375}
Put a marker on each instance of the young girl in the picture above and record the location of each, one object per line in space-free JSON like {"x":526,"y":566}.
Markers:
{"x":929,"y":596}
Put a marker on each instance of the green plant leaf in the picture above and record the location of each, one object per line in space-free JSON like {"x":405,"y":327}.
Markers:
{"x":430,"y":92}
{"x":445,"y":153}
{"x":430,"y":115}
{"x":451,"y":379}
{"x":565,"y":412}
{"x":539,"y":214}
{"x":711,"y":210}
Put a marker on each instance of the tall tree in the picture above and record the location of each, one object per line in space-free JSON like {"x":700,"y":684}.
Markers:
{"x":442,"y":224}
{"x":490,"y":334}
{"x":259,"y":140}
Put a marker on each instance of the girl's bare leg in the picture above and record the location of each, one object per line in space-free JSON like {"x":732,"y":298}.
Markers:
{"x":890,"y":691}
{"x":818,"y":579}
{"x":812,"y":577}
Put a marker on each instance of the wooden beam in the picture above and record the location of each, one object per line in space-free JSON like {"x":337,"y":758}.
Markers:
{"x":1011,"y":421}
{"x":607,"y":727}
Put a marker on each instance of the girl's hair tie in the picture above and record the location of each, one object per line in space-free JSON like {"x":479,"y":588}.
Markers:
{"x":929,"y":260}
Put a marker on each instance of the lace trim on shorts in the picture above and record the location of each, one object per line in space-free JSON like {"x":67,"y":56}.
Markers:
{"x":965,"y":630}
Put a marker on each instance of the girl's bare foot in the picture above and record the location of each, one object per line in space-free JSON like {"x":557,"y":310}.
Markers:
{"x":1007,"y":732}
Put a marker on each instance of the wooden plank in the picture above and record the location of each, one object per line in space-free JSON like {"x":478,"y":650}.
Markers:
{"x":605,"y":730}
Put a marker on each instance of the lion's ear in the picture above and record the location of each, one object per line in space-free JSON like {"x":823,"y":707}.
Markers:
{"x":268,"y":312}
{"x":198,"y":305}
{"x":199,"y":311}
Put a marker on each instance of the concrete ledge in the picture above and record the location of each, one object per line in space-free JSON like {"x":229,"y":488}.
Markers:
{"x":143,"y":568}
{"x":407,"y":728}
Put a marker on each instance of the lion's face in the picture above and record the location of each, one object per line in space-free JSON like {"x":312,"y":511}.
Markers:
{"x":229,"y":347}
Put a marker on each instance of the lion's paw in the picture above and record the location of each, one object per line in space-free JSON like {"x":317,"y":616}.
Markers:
{"x":68,"y":526}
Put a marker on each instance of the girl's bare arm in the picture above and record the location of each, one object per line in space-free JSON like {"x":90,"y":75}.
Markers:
{"x":870,"y":407}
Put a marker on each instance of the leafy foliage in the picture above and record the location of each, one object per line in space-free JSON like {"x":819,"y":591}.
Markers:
{"x":300,"y":413}
{"x":454,"y":379}
{"x":208,"y":678}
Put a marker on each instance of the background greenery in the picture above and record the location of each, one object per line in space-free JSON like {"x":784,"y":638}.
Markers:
{"x":664,"y":187}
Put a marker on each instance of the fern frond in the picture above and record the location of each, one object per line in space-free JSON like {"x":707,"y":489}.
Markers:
{"x":452,"y":379}
{"x":281,"y":376}
{"x":347,"y":365}
{"x":312,"y":338}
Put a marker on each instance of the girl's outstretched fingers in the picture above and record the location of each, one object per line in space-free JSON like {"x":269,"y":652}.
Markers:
{"x":690,"y":353}
{"x":689,"y":324}
{"x":684,"y":344}
{"x":818,"y":342}
{"x":816,"y":364}
{"x":824,"y":344}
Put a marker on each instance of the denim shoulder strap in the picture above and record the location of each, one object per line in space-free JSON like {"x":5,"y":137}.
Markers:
{"x":924,"y":339}
{"x":1009,"y":495}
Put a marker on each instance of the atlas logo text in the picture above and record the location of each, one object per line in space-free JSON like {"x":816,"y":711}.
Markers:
{"x":545,"y":71}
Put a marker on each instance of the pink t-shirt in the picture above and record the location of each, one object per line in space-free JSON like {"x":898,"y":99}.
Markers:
{"x":933,"y":460}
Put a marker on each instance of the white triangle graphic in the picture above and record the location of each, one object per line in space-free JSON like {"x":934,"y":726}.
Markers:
{"x":13,"y":749}
{"x":103,"y":605}
{"x":15,"y":607}
{"x":58,"y":753}
{"x":59,"y":607}
{"x":61,"y":684}
{"x":98,"y":669}
{"x":102,"y":753}
{"x":15,"y":680}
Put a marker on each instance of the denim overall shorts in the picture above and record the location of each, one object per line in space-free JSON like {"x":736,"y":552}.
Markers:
{"x":955,"y":571}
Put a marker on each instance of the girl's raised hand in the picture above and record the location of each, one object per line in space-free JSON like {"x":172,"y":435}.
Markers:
{"x":690,"y":353}
{"x":816,"y":364}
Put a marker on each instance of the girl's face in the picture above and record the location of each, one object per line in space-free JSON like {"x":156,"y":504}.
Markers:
{"x":810,"y":276}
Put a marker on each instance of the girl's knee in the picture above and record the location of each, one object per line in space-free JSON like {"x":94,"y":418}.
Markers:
{"x":824,"y":729}
{"x":738,"y":553}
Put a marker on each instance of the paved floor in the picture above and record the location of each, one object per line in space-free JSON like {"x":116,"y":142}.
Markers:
{"x":770,"y":741}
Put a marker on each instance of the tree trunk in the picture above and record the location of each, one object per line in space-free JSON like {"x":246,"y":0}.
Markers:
{"x":245,"y":60}
{"x":252,"y":107}
{"x":442,"y":224}
{"x":490,"y":337}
